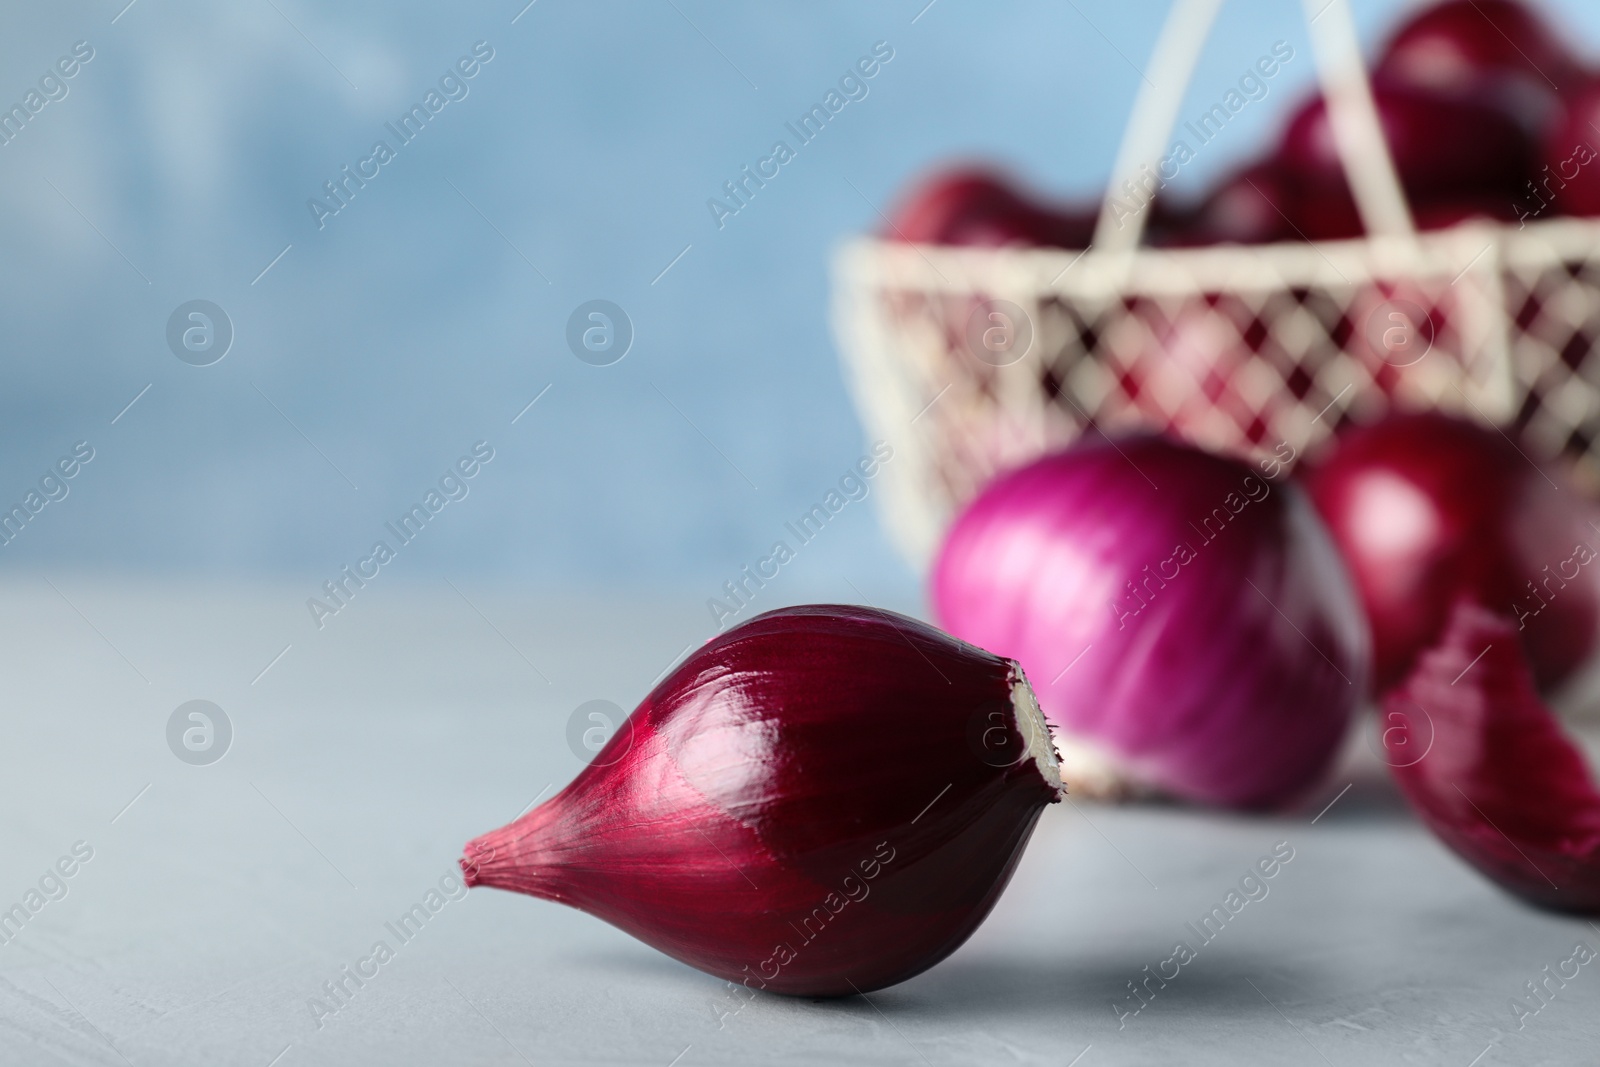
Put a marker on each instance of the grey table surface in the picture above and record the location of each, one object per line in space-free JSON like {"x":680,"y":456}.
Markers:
{"x":219,"y":899}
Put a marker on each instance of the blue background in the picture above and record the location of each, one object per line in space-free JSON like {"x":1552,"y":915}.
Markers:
{"x":409,"y":328}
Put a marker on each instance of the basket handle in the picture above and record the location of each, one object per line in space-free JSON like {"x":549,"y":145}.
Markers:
{"x":1358,"y":136}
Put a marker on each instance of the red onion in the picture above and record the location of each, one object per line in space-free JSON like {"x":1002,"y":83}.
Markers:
{"x":1187,"y":621}
{"x":1460,"y":43}
{"x":1255,"y":205}
{"x":1489,"y":770}
{"x":1444,"y":145}
{"x":981,"y":207}
{"x":821,"y":801}
{"x":1427,"y":507}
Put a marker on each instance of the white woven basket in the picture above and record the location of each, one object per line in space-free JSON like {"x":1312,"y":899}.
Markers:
{"x":976,"y":360}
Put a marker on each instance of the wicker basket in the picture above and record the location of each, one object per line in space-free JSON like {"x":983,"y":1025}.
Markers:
{"x":975,"y":360}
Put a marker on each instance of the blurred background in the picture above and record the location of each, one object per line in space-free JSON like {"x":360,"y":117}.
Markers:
{"x":372,"y":348}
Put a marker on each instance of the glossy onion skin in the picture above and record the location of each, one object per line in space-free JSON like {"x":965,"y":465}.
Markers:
{"x":1427,"y":507}
{"x":1487,"y":767}
{"x":1459,"y":43}
{"x":822,"y":801}
{"x":1444,"y":146}
{"x":1216,"y":691}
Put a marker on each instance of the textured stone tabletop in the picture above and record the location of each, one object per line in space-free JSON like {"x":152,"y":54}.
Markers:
{"x":217,"y":901}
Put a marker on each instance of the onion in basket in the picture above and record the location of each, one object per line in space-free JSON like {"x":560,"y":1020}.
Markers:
{"x":1254,"y":205}
{"x":1461,"y":44}
{"x":1445,"y":147}
{"x":981,"y":207}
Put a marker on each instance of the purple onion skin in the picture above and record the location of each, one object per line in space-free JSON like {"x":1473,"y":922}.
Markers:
{"x":1233,"y":683}
{"x":822,"y":801}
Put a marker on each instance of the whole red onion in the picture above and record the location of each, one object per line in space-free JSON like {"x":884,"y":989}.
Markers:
{"x":1458,"y":44}
{"x":1487,"y":767}
{"x":1255,"y":205}
{"x":822,"y":801}
{"x":1427,"y":507}
{"x":1444,"y":145}
{"x":1186,"y":620}
{"x":981,"y":207}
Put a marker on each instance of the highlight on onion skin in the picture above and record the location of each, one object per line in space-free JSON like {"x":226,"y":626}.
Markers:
{"x":1487,"y":767}
{"x":1186,"y":621}
{"x":1427,"y":507}
{"x":1460,"y":44}
{"x":822,"y":801}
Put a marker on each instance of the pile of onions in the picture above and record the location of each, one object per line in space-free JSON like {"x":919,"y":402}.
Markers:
{"x":1186,"y":621}
{"x":827,"y":800}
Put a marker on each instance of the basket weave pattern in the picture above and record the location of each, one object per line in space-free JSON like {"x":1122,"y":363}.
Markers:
{"x":1240,"y":350}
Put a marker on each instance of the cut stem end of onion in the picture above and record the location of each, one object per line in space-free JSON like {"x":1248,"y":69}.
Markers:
{"x":1031,"y":724}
